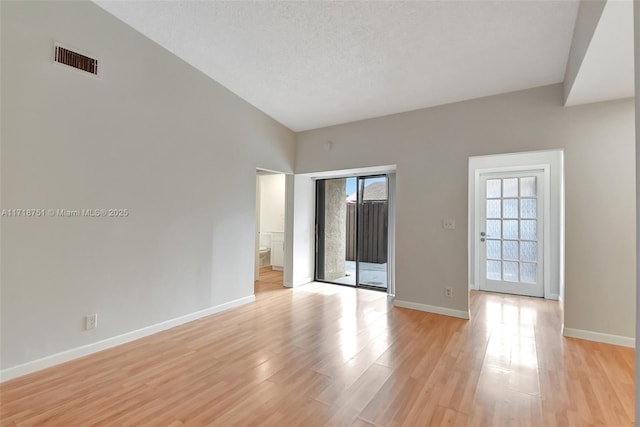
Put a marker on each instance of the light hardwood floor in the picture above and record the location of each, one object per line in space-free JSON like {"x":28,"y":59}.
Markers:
{"x":331,"y":355}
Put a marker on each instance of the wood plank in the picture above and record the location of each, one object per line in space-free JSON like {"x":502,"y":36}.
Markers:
{"x":330,"y":355}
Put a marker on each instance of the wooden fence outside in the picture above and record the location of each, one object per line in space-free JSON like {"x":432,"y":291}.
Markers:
{"x":373,"y":239}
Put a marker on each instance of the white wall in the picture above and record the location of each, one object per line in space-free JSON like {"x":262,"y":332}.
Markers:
{"x":301,"y":231}
{"x":431,"y":148}
{"x":272,"y":203}
{"x":152,"y":135}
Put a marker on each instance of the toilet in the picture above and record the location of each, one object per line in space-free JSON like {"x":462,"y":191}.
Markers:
{"x":265,"y":256}
{"x":265,"y":249}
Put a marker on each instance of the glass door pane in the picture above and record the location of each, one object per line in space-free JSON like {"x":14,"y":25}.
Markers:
{"x":511,"y":251}
{"x":351,"y":231}
{"x":373,"y":211}
{"x":336,"y":231}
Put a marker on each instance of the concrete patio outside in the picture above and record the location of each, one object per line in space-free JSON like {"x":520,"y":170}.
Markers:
{"x":370,"y":274}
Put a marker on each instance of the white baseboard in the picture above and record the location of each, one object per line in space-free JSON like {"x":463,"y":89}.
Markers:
{"x":555,"y":297}
{"x":74,"y":353}
{"x":432,"y":309}
{"x":297,"y":283}
{"x":599,"y":337}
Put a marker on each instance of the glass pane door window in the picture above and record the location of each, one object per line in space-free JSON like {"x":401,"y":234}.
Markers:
{"x":373,"y":212}
{"x":335,"y":228}
{"x":352,"y":231}
{"x":510,"y":237}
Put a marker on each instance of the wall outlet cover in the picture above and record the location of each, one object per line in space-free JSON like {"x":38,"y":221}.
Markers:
{"x":90,"y":321}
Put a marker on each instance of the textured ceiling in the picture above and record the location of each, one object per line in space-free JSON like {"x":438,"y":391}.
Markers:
{"x":318,"y":63}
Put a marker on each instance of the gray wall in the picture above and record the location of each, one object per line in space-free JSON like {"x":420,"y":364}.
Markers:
{"x":431,"y":148}
{"x":589,"y":13}
{"x":636,"y":38}
{"x":179,"y":151}
{"x":152,"y":135}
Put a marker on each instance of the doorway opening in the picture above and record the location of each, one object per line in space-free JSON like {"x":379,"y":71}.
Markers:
{"x":352,"y":238}
{"x":516,"y":224}
{"x":269,"y":280}
{"x":270,"y":229}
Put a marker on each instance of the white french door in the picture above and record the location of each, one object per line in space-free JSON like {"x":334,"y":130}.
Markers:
{"x":510,"y":233}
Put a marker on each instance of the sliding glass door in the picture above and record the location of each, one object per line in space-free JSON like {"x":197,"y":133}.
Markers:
{"x":351,"y":231}
{"x":373,"y":213}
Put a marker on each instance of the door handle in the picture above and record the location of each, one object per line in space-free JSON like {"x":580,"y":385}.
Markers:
{"x":482,"y":239}
{"x":482,"y":233}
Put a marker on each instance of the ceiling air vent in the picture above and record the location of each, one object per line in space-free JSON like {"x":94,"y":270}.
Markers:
{"x":76,"y":60}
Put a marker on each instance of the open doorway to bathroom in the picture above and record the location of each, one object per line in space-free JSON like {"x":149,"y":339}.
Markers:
{"x":270,"y":226}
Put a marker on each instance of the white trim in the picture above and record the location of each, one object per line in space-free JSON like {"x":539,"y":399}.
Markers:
{"x":554,"y":297}
{"x":546,"y":223}
{"x":346,"y":173}
{"x":432,"y":309}
{"x":302,"y":282}
{"x":391,"y":236}
{"x":599,"y":337}
{"x":74,"y":353}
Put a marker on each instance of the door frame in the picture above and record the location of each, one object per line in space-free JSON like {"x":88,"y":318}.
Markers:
{"x":287,"y":222}
{"x":551,"y":163}
{"x":319,"y":225}
{"x":360,"y":193}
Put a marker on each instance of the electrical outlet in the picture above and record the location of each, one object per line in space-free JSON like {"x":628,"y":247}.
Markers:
{"x":448,"y":292}
{"x":449,"y":224}
{"x":90,"y":322}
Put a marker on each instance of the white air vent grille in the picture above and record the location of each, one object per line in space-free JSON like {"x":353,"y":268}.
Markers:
{"x":77,"y":60}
